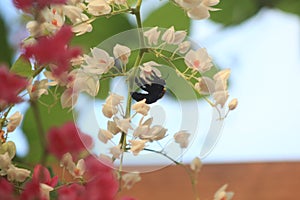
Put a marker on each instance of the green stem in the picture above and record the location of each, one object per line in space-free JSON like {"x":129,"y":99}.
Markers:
{"x":41,"y":132}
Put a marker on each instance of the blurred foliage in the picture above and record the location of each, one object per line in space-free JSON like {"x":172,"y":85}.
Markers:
{"x":168,"y":15}
{"x":51,"y":115}
{"x":5,"y":49}
{"x":22,"y":67}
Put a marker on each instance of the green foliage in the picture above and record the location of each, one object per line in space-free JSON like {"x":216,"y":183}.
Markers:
{"x":6,"y":51}
{"x":22,"y":67}
{"x":292,"y":6}
{"x":50,"y":116}
{"x":168,"y":15}
{"x":235,"y":11}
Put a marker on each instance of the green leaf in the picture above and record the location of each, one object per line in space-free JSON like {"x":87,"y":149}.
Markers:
{"x":5,"y":50}
{"x":291,"y":6}
{"x":234,"y":12}
{"x":50,"y":116}
{"x":22,"y":67}
{"x":168,"y":15}
{"x":103,"y":28}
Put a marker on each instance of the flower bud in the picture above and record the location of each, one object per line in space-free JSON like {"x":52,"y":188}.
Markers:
{"x":14,"y":121}
{"x":233,"y":104}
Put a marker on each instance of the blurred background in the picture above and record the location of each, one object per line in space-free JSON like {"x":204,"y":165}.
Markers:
{"x":260,"y":41}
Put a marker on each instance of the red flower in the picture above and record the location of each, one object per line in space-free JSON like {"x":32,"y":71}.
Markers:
{"x":68,"y":138}
{"x":11,"y":85}
{"x":102,"y":184}
{"x":73,"y":191}
{"x":54,"y":50}
{"x":42,"y":175}
{"x":25,"y":5}
{"x":32,"y":191}
{"x":6,"y":190}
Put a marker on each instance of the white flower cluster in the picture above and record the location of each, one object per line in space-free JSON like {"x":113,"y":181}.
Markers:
{"x":142,"y":134}
{"x":198,"y":9}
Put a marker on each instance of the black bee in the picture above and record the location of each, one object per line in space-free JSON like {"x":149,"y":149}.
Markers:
{"x":155,"y":86}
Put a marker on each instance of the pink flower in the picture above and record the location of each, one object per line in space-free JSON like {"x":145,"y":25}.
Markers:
{"x":11,"y":85}
{"x":73,"y":191}
{"x":42,"y":175}
{"x":25,"y":5}
{"x":32,"y":191}
{"x":102,"y":184}
{"x":6,"y":189}
{"x":67,"y":138}
{"x":54,"y":50}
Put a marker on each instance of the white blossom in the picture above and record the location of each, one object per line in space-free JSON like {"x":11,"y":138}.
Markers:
{"x":122,"y":53}
{"x":148,"y":69}
{"x":67,"y":161}
{"x":184,"y":47}
{"x":123,"y":124}
{"x":198,"y":60}
{"x":141,"y":130}
{"x":98,"y":7}
{"x":17,"y":174}
{"x":45,"y":191}
{"x":116,"y":151}
{"x":99,"y":63}
{"x":152,"y":35}
{"x":78,"y":170}
{"x":137,"y":146}
{"x":104,"y":135}
{"x":169,"y":35}
{"x":5,"y":162}
{"x":196,"y":165}
{"x":14,"y":121}
{"x":112,"y":127}
{"x":205,"y":85}
{"x":179,"y":37}
{"x":182,"y":138}
{"x":109,"y":110}
{"x":114,"y":99}
{"x":130,"y":179}
{"x":156,"y":132}
{"x":68,"y":98}
{"x":141,"y":107}
{"x":221,"y":194}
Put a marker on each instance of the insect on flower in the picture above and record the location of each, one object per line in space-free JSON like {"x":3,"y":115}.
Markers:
{"x":155,"y":86}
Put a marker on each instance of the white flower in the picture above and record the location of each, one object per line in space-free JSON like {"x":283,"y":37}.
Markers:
{"x":14,"y":121}
{"x":67,"y":161}
{"x":196,"y":165}
{"x":54,"y":20}
{"x":198,"y":60}
{"x":141,"y":107}
{"x":205,"y":85}
{"x":116,"y":151}
{"x":141,"y":130}
{"x":156,"y":132}
{"x":130,"y":179}
{"x":74,"y":13}
{"x":152,"y":35}
{"x":122,"y":53}
{"x":182,"y":138}
{"x":68,"y":98}
{"x":202,"y":10}
{"x":186,"y":4}
{"x":98,"y":7}
{"x":108,"y":110}
{"x":45,"y":190}
{"x":148,"y":69}
{"x":233,"y":104}
{"x":221,"y":97}
{"x":179,"y":37}
{"x":112,"y":127}
{"x":137,"y":146}
{"x":82,"y":28}
{"x":169,"y":35}
{"x":123,"y":124}
{"x":222,"y":75}
{"x":17,"y":174}
{"x":120,"y":2}
{"x":78,"y":170}
{"x":114,"y":99}
{"x":37,"y":89}
{"x":221,"y":194}
{"x":184,"y":46}
{"x":85,"y":82}
{"x":5,"y":162}
{"x":99,"y":63}
{"x":104,"y":135}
